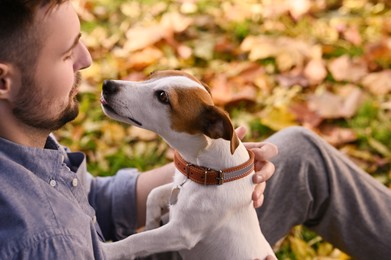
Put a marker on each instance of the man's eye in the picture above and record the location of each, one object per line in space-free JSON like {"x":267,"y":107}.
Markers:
{"x":162,"y":97}
{"x":68,"y":55}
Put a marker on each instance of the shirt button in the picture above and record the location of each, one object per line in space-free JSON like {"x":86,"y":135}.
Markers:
{"x":74,"y":182}
{"x":52,"y":183}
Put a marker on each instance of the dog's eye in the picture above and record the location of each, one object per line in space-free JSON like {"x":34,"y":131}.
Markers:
{"x":162,"y":97}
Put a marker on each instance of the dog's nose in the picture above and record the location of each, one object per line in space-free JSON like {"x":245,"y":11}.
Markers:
{"x":109,"y":87}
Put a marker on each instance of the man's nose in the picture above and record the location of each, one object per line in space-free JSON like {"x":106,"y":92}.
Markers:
{"x":84,"y":59}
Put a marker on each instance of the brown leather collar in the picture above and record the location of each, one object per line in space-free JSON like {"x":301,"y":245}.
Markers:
{"x":208,"y":176}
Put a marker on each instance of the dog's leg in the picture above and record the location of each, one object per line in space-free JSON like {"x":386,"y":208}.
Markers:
{"x":157,"y":205}
{"x":171,"y":237}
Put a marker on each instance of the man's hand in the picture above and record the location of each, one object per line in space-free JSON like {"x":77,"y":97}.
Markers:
{"x":264,"y":169}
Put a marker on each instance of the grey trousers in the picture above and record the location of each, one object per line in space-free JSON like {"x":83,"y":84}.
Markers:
{"x":317,"y":186}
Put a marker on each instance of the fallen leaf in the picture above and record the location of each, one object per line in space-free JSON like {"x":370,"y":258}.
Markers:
{"x":330,"y":105}
{"x":175,"y":22}
{"x":379,"y":83}
{"x":378,"y":53}
{"x":225,"y":92}
{"x":305,"y":116}
{"x":352,"y":99}
{"x":315,"y":71}
{"x":352,"y":35}
{"x":301,"y":249}
{"x":348,"y":69}
{"x":291,"y":78}
{"x":144,"y":58}
{"x":238,"y":11}
{"x":185,"y":52}
{"x":139,"y":38}
{"x":298,"y":8}
{"x":337,"y":136}
{"x":288,"y":52}
{"x":326,"y":104}
{"x":278,"y":118}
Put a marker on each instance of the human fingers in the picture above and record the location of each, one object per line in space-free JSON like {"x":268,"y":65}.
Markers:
{"x":263,"y":171}
{"x":241,"y":132}
{"x":262,"y":150}
{"x":257,"y":195}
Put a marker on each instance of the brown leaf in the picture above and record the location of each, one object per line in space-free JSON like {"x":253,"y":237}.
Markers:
{"x":352,"y":35}
{"x":326,"y":104}
{"x":315,"y":71}
{"x":305,"y":116}
{"x":378,"y":54}
{"x":288,"y":52}
{"x":240,"y":82}
{"x":345,"y":68}
{"x":342,"y":105}
{"x":337,"y":136}
{"x":139,"y":38}
{"x":352,"y":99}
{"x":144,"y":58}
{"x":226,"y":92}
{"x":378,"y":83}
{"x":292,"y":78}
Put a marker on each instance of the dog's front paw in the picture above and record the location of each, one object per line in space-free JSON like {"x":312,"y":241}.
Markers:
{"x":157,"y":206}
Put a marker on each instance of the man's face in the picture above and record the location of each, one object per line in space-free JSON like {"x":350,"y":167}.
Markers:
{"x":46,"y":99}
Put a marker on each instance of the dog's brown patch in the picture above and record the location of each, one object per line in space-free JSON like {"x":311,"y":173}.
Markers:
{"x":188,"y":106}
{"x":193,"y":112}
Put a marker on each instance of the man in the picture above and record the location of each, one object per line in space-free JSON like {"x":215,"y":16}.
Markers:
{"x":50,"y":206}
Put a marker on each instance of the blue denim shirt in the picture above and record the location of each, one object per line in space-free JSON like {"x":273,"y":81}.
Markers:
{"x":52,"y":208}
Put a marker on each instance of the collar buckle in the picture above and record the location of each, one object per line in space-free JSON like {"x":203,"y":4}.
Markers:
{"x":220,"y":178}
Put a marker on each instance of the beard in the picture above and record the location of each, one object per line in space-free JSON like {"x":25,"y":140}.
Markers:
{"x":32,"y":108}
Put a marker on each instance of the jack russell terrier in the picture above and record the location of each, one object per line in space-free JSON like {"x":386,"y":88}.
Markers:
{"x":211,"y":213}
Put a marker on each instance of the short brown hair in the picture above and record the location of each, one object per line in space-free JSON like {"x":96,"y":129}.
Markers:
{"x":19,"y":42}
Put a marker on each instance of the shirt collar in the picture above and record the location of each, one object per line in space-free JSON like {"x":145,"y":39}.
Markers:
{"x":41,"y":161}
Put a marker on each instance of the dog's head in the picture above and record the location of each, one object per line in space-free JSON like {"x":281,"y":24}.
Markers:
{"x":168,"y":101}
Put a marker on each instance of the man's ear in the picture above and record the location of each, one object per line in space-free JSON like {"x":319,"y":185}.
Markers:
{"x":5,"y":82}
{"x":217,"y":124}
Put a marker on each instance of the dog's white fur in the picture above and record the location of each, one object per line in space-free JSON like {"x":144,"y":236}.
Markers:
{"x":206,"y":222}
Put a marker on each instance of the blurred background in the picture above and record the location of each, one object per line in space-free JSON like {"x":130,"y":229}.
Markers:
{"x":321,"y":64}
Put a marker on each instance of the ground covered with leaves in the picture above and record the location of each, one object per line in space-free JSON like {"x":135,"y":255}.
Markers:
{"x":322,"y":64}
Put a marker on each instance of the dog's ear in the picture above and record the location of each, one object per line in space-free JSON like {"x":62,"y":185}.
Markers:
{"x":217,"y":124}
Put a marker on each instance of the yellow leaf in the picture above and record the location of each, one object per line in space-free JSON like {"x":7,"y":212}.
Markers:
{"x":324,"y":249}
{"x":278,"y":118}
{"x":301,"y":249}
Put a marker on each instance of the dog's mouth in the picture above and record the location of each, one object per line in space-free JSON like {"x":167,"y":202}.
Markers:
{"x":110,"y":111}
